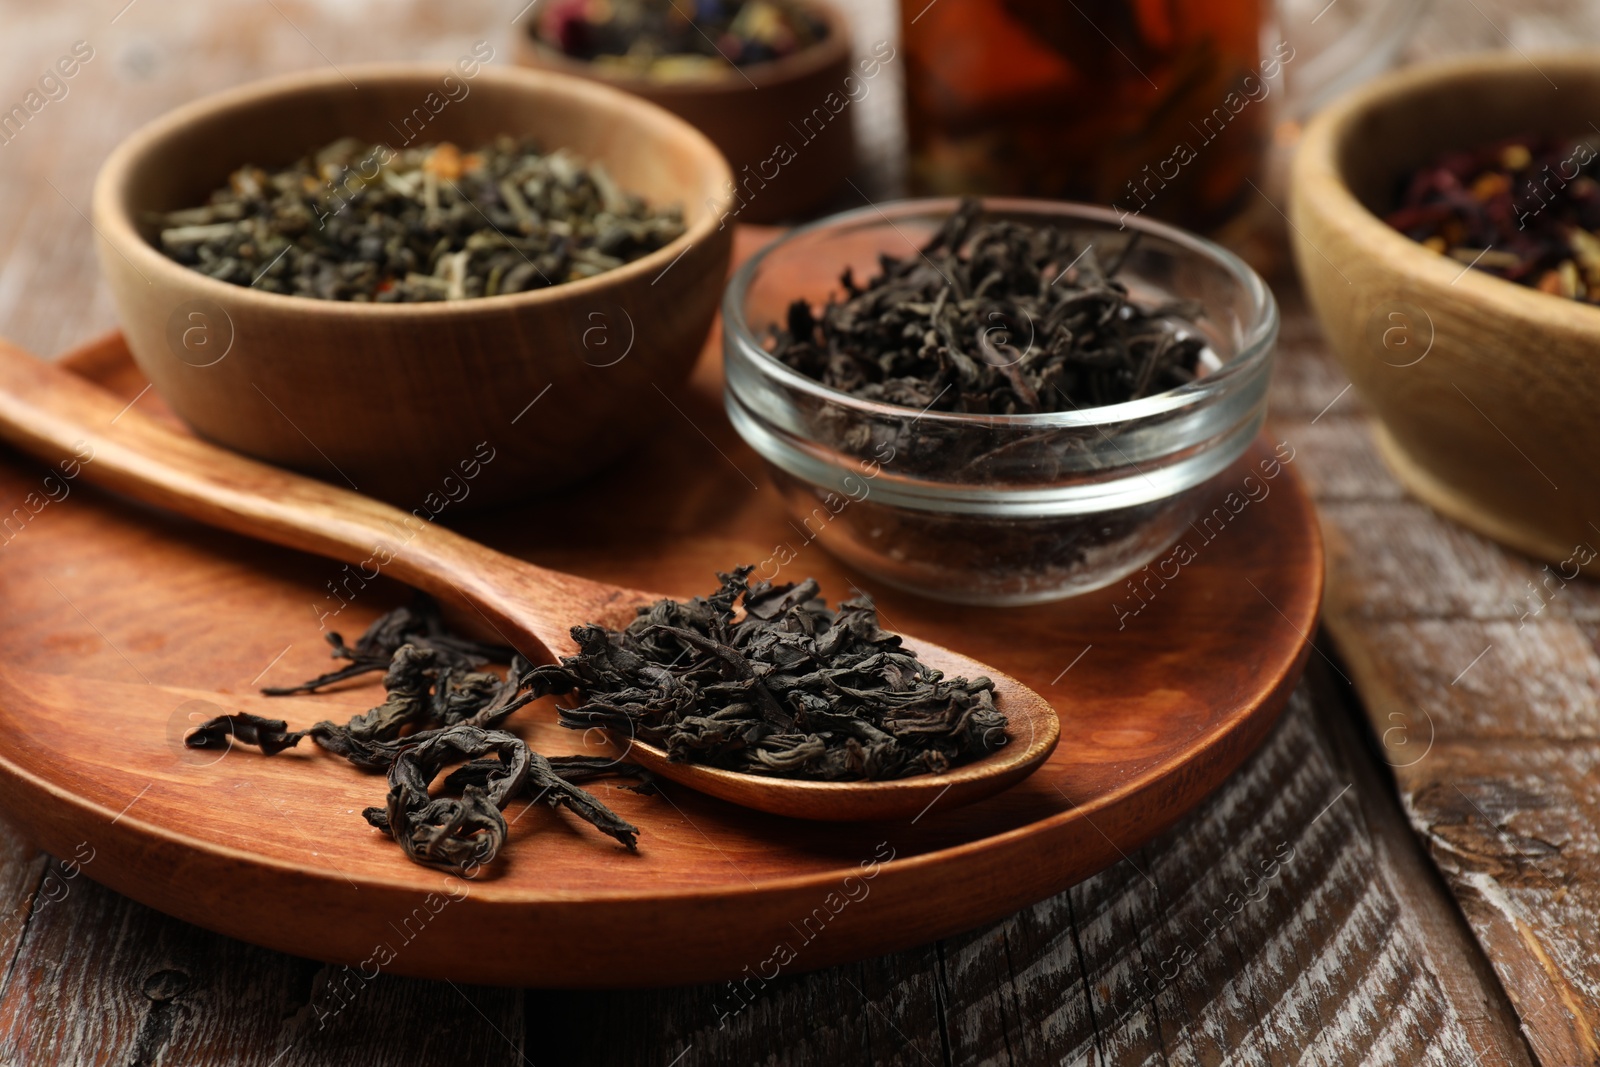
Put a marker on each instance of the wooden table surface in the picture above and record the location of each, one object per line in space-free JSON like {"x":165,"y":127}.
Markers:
{"x":1427,"y":807}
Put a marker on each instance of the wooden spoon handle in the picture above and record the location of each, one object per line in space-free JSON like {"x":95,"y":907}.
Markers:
{"x":63,"y":419}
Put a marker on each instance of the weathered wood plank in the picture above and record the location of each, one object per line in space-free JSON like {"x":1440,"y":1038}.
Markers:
{"x":1450,"y":679}
{"x":1464,"y":974}
{"x":1398,"y":560}
{"x":100,"y":979}
{"x":1479,"y":675}
{"x":23,"y":870}
{"x":1188,"y":952}
{"x":1421,"y":682}
{"x":1515,"y":837}
{"x":1343,"y":958}
{"x":1339,"y":462}
{"x":1307,"y":383}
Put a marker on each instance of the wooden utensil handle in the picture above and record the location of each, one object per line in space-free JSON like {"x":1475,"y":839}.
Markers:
{"x":63,"y":419}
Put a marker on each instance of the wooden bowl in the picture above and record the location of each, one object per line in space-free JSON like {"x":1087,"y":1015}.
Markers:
{"x":1485,"y":391}
{"x":787,"y":103}
{"x":437,"y":405}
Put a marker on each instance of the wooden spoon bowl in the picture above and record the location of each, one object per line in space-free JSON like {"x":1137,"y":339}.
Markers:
{"x":1032,"y":730}
{"x":57,"y":416}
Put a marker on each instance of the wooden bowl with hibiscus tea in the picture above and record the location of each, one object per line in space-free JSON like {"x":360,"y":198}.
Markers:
{"x":1447,"y":230}
{"x":445,"y":286}
{"x":997,"y":402}
{"x":771,"y":82}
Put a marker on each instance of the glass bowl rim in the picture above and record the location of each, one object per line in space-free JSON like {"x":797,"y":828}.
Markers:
{"x":1255,"y":347}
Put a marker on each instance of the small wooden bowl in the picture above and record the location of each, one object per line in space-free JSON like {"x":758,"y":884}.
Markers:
{"x":430,"y":406}
{"x":787,"y":103}
{"x":1485,"y":391}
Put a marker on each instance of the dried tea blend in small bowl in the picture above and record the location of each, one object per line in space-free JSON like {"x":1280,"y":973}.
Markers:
{"x":361,"y":222}
{"x":669,"y":40}
{"x":1526,"y":209}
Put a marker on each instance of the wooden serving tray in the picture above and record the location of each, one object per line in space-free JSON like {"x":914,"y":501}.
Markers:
{"x":124,"y":626}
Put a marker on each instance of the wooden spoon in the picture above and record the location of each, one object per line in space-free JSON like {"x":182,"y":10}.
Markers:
{"x":56,"y":416}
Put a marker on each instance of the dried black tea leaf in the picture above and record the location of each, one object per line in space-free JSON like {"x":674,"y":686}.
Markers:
{"x":461,"y":832}
{"x":545,"y":783}
{"x":421,"y":624}
{"x":767,"y":680}
{"x":454,"y":832}
{"x":571,"y":769}
{"x":994,"y":317}
{"x":364,"y":222}
{"x":439,"y":710}
{"x":271,"y":736}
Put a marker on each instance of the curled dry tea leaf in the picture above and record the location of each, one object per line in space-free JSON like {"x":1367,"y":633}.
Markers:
{"x":364,"y":222}
{"x":420,"y":624}
{"x":438,"y":710}
{"x":453,"y":832}
{"x":994,"y":317}
{"x":271,"y":736}
{"x":468,"y":831}
{"x":784,"y":687}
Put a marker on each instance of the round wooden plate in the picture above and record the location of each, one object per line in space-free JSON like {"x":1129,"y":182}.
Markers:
{"x":125,"y":625}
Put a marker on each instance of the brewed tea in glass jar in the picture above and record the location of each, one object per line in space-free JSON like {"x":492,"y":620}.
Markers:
{"x":1163,"y":107}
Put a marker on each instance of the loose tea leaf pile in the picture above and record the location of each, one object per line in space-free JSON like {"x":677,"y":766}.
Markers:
{"x":672,"y":41}
{"x":993,"y":317}
{"x":363,"y":222}
{"x":767,"y":680}
{"x":452,"y":711}
{"x":756,"y":678}
{"x":1526,"y":209}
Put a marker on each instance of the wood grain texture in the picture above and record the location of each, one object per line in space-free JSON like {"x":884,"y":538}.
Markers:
{"x":1321,"y":961}
{"x":1483,"y":390}
{"x":158,"y":991}
{"x":1147,"y":731}
{"x":1324,"y":965}
{"x":991,"y":996}
{"x":1478,"y":672}
{"x":1496,"y":772}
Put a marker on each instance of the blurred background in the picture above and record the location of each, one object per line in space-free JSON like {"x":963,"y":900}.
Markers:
{"x":152,"y":55}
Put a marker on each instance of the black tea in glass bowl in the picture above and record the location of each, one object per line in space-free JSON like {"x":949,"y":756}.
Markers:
{"x":993,"y":317}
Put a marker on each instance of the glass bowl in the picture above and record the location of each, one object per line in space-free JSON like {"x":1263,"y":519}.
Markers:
{"x":996,"y":509}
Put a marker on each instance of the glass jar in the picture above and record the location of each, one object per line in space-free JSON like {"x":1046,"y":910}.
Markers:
{"x":1160,"y":107}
